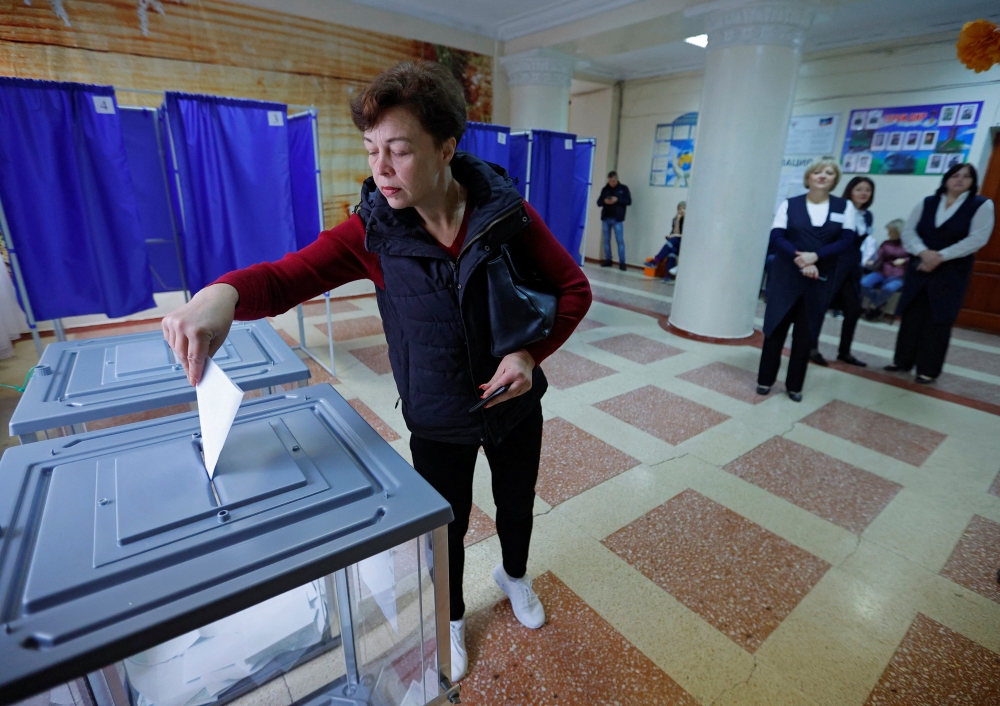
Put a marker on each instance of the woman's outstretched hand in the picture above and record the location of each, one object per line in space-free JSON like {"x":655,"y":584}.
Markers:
{"x":199,"y":328}
{"x":515,"y":372}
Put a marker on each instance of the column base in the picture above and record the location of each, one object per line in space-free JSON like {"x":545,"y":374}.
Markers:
{"x":755,"y":339}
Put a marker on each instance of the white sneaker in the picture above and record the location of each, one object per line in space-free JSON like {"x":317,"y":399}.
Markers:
{"x":459,"y":658}
{"x":523,"y":599}
{"x":673,"y":271}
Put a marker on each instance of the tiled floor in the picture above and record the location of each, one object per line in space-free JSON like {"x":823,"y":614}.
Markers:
{"x":695,"y":543}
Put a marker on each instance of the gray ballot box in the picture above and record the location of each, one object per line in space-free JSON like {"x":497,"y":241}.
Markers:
{"x":128,"y":578}
{"x":80,"y":381}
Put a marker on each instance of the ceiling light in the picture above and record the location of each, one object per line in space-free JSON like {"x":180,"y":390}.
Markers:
{"x":700,"y":40}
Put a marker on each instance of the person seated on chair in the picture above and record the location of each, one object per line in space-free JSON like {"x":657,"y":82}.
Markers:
{"x":888,"y":268}
{"x":671,"y":250}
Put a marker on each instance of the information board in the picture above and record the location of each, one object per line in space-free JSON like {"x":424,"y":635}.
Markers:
{"x":673,"y":152}
{"x":809,"y":137}
{"x":917,"y":139}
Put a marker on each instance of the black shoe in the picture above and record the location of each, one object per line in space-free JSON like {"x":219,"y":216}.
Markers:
{"x":818,"y":359}
{"x":893,"y":368}
{"x":621,"y":266}
{"x":795,"y":396}
{"x":605,"y":263}
{"x":851,"y":360}
{"x":998,"y":576}
{"x":923,"y":380}
{"x":763,"y":389}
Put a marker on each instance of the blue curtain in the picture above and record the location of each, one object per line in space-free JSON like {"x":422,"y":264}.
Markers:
{"x":581,"y":196}
{"x":143,"y":149}
{"x":489,"y":142}
{"x":518,"y":168}
{"x":553,"y":169}
{"x":70,"y":203}
{"x":236,"y":198}
{"x":307,"y":200}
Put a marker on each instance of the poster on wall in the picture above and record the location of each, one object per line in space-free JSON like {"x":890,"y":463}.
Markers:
{"x":916,"y":139}
{"x":809,"y":137}
{"x":673,"y":152}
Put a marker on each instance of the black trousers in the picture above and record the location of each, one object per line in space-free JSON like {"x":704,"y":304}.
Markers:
{"x":920,"y":339}
{"x":847,"y":301}
{"x":514,"y":466}
{"x":770,"y":356}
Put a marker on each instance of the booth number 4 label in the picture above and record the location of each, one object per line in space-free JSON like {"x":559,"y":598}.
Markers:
{"x":569,"y":144}
{"x":104,"y":105}
{"x":274,"y":118}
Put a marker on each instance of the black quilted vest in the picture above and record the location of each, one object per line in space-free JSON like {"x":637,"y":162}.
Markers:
{"x":435,"y":312}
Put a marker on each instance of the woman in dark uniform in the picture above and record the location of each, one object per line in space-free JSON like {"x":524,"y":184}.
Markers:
{"x":846,"y":285}
{"x":808,"y":233}
{"x":943,"y":232}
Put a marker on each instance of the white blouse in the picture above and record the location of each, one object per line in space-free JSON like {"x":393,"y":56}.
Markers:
{"x":817,"y":215}
{"x":980,"y":228}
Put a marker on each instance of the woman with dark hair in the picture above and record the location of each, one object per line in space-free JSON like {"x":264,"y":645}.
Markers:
{"x":846,"y":284}
{"x":944,"y":232}
{"x":807,"y":235}
{"x":428,"y":221}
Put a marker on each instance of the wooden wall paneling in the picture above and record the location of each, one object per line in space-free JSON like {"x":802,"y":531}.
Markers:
{"x":211,"y":32}
{"x":981,"y":308}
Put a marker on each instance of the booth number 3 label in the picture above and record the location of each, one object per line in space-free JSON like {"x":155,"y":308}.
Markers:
{"x":274,"y":118}
{"x":104,"y":105}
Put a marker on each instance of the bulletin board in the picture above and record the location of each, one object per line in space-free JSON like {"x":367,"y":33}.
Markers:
{"x":673,"y":152}
{"x":917,"y":139}
{"x":809,"y":137}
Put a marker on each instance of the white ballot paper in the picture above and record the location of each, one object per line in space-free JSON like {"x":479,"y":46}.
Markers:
{"x":218,"y":401}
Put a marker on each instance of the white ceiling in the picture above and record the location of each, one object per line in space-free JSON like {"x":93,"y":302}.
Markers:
{"x":624,"y":39}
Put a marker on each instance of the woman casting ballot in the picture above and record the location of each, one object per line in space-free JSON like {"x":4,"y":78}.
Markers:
{"x":808,"y":232}
{"x":428,"y":221}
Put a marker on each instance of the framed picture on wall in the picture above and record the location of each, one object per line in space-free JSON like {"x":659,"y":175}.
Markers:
{"x":951,"y":160}
{"x":935,"y":164}
{"x":850,"y":162}
{"x":895,"y":141}
{"x":858,"y":120}
{"x":864,"y":163}
{"x":967,"y":114}
{"x":879,"y":140}
{"x":874,"y":120}
{"x":912,"y":141}
{"x":948,"y":115}
{"x":929,"y":140}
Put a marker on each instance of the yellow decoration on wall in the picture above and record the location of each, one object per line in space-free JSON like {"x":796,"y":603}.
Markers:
{"x":979,"y":45}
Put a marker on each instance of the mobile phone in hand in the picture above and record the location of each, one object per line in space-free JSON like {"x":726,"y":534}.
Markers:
{"x":496,"y":393}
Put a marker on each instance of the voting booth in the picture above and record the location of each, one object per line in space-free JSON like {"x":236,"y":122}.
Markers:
{"x":81,"y":381}
{"x":315,"y":556}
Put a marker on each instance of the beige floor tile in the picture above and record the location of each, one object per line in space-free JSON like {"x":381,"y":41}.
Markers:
{"x":837,"y":642}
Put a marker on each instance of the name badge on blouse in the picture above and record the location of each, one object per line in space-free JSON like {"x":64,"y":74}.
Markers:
{"x":837,"y":217}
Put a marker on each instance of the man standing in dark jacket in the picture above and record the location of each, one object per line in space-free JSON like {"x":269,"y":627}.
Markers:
{"x":615,"y":196}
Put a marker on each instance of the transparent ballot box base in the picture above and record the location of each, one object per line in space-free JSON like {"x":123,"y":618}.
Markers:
{"x":362,"y":636}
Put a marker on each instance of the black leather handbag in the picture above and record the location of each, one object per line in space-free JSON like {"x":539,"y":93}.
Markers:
{"x":520,"y":313}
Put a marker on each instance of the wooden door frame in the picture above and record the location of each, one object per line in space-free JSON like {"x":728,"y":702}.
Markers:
{"x":990,"y":186}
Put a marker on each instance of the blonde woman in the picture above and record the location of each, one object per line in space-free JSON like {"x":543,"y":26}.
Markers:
{"x":807,"y":235}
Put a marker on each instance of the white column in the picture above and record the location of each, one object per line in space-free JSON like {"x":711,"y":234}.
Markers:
{"x":752,"y":64}
{"x":539,"y":89}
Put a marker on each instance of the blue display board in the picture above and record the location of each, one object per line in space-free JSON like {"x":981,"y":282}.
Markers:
{"x":916,"y":139}
{"x":673,"y":152}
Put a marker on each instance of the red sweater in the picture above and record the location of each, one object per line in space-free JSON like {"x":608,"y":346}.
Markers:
{"x":339,"y":256}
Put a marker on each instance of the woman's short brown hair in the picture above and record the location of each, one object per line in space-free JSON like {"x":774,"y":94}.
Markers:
{"x":426,"y":88}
